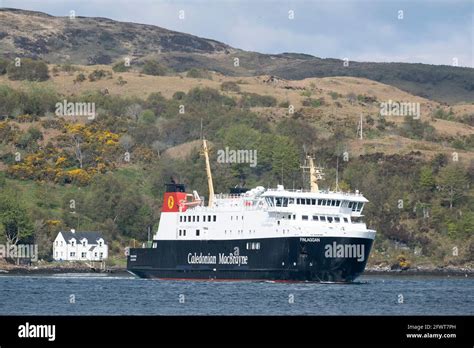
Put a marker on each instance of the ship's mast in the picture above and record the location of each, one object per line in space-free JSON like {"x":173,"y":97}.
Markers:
{"x":315,"y":174}
{"x":208,"y":172}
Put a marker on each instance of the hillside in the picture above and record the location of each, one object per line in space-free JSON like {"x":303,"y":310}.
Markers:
{"x":93,"y":41}
{"x":107,"y":172}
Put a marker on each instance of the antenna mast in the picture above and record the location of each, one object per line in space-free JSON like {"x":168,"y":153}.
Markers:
{"x":208,"y":172}
{"x":315,"y":174}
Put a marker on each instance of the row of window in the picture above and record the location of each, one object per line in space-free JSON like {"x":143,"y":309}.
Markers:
{"x":83,"y":255}
{"x":284,"y":202}
{"x":253,"y":246}
{"x":195,"y":218}
{"x":322,"y":218}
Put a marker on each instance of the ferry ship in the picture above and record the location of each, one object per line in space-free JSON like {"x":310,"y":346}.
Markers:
{"x":257,"y":234}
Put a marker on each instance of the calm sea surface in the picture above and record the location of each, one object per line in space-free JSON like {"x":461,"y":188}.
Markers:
{"x":123,"y":295}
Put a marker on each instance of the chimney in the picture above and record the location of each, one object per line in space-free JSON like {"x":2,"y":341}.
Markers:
{"x":73,"y":230}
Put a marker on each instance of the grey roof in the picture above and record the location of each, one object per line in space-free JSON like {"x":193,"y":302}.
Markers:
{"x":91,"y":237}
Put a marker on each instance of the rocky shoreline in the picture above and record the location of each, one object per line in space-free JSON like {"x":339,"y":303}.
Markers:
{"x":449,"y":271}
{"x":46,"y":269}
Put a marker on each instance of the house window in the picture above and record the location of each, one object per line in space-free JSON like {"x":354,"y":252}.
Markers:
{"x":197,"y":233}
{"x":209,"y":218}
{"x":215,"y":218}
{"x":56,"y":254}
{"x":84,"y":243}
{"x":95,"y":254}
{"x":61,"y":243}
{"x":304,"y":217}
{"x":72,"y":243}
{"x":56,"y":243}
{"x":101,"y":255}
{"x":72,"y":254}
{"x":180,"y":219}
{"x":83,"y":255}
{"x":197,"y":218}
{"x":100,"y":244}
{"x":294,"y":217}
{"x":194,"y":218}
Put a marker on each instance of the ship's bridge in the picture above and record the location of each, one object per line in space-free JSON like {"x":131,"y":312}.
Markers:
{"x":281,"y":200}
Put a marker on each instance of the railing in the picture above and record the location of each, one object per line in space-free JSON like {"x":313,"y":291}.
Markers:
{"x":320,"y":191}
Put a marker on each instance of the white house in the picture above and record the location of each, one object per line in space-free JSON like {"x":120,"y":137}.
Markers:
{"x":80,"y":246}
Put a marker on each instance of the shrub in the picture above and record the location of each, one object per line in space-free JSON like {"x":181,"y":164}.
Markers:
{"x":230,"y":86}
{"x":80,"y":78}
{"x":153,"y":68}
{"x":147,"y":117}
{"x":29,"y":69}
{"x":253,"y":100}
{"x":199,"y":74}
{"x":3,"y":66}
{"x":179,"y":95}
{"x":314,"y":103}
{"x":99,"y":74}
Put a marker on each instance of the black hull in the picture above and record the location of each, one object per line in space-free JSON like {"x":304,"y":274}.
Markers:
{"x":277,"y":259}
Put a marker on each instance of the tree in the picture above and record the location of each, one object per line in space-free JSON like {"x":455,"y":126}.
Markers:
{"x":452,"y":183}
{"x":14,"y":219}
{"x":426,"y":180}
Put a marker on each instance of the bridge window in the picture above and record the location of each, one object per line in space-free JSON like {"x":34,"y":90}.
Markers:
{"x":338,"y":203}
{"x":337,"y":219}
{"x":304,"y":217}
{"x":350,"y":205}
{"x":197,"y":218}
{"x":329,"y":218}
{"x":285,"y":201}
{"x":269,"y":201}
{"x":197,"y":233}
{"x":291,"y":201}
{"x":315,"y":218}
{"x":322,"y":218}
{"x":359,"y":206}
{"x":215,"y":218}
{"x":278,"y":201}
{"x":333,"y":202}
{"x":345,"y":220}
